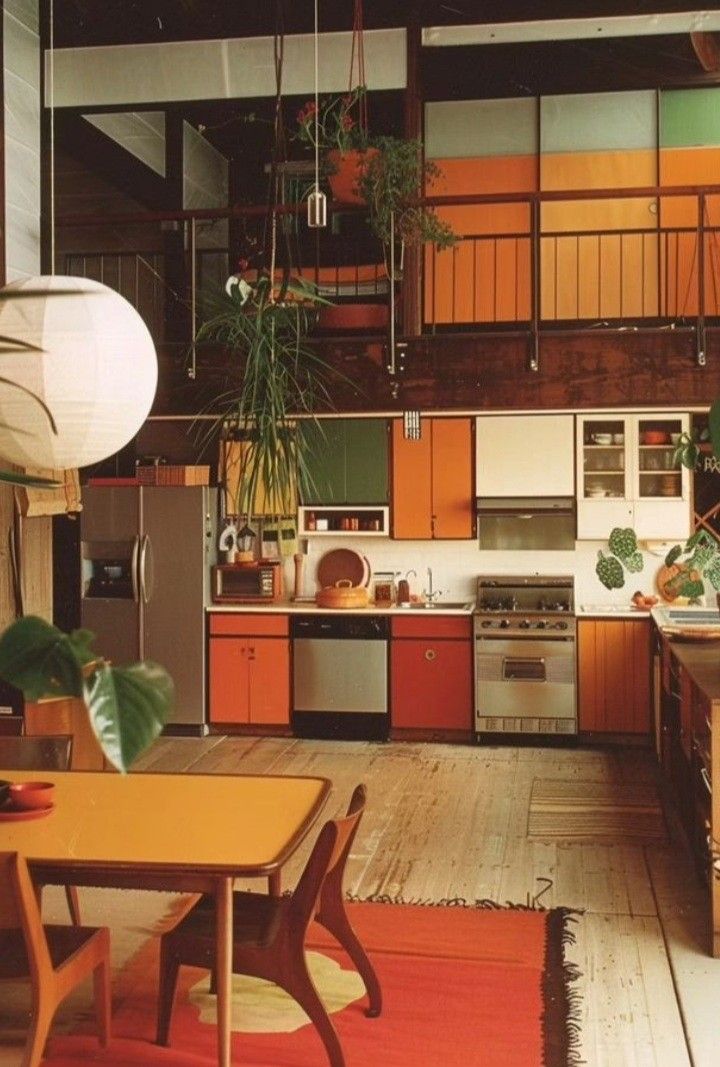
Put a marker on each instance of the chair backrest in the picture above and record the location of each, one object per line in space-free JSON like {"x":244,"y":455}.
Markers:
{"x":19,"y":909}
{"x":49,"y":752}
{"x":328,"y":857}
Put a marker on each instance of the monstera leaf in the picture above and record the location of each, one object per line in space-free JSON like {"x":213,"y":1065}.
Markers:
{"x":127,"y":706}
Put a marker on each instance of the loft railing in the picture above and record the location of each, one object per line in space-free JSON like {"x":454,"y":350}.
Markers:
{"x":643,"y":258}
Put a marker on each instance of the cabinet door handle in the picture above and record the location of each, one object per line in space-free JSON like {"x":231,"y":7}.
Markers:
{"x":430,"y":654}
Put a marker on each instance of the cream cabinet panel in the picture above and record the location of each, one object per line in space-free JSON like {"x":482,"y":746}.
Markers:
{"x":626,"y":475}
{"x":525,"y":455}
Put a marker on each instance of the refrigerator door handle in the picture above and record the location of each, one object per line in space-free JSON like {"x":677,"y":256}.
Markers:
{"x":145,"y":569}
{"x":134,"y":568}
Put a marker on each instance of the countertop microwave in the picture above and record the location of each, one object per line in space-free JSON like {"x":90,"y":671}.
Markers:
{"x":247,"y":583}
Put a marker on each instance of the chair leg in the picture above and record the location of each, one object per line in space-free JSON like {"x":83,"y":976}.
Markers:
{"x":333,"y":917}
{"x":73,"y":901}
{"x":38,"y":1033}
{"x":169,"y":967}
{"x":300,"y":986}
{"x":101,"y":988}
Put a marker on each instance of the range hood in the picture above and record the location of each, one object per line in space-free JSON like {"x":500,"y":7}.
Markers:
{"x":520,"y":507}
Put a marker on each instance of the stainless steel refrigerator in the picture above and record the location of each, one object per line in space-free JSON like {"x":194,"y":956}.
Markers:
{"x":146,"y":555}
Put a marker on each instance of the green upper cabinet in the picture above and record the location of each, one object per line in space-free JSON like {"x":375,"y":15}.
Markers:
{"x":348,"y":462}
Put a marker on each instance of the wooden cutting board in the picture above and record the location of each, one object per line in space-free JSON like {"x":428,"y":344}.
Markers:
{"x":687,"y":633}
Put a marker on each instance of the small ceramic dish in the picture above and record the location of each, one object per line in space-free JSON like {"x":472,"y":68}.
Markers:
{"x":618,"y":438}
{"x":26,"y":796}
{"x":602,"y":438}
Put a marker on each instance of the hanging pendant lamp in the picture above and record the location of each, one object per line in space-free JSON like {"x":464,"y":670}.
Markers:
{"x":87,"y":354}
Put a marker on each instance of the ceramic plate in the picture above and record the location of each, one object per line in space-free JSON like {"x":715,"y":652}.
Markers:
{"x":9,"y":814}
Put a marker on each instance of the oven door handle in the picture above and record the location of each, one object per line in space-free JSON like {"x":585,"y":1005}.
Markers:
{"x":534,"y":636}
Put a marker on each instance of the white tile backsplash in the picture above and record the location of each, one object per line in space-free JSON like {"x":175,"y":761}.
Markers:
{"x":456,"y":566}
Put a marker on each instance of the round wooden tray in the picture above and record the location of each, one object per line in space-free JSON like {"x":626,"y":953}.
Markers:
{"x":342,"y":564}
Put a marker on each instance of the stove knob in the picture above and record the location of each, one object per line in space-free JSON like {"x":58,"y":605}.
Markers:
{"x":561,"y":625}
{"x":525,"y":624}
{"x":485,"y":623}
{"x":540,"y":624}
{"x":504,"y":624}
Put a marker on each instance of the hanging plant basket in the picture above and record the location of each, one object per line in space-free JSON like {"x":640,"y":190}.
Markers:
{"x":345,"y":173}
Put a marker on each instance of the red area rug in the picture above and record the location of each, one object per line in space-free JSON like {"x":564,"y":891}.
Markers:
{"x":462,"y":987}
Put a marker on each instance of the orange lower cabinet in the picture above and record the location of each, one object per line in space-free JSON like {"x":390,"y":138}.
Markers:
{"x":431,"y":684}
{"x":249,"y":680}
{"x":269,"y":681}
{"x":614,"y":667}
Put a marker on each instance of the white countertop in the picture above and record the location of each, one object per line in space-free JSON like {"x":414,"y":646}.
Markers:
{"x":612,"y":611}
{"x":305,"y":607}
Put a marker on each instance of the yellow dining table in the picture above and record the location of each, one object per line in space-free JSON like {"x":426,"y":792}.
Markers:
{"x":179,"y":832}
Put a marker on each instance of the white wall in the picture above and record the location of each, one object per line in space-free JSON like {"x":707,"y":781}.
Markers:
{"x":21,"y":63}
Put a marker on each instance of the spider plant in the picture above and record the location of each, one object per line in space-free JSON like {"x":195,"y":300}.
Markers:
{"x":282,"y":377}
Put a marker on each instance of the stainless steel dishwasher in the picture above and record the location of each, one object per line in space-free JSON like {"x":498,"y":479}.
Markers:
{"x":340,"y":676}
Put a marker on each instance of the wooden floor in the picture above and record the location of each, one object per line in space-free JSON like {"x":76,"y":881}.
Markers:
{"x":451,"y":821}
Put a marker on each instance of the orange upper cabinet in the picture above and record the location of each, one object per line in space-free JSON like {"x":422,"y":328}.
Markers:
{"x":432,"y":490}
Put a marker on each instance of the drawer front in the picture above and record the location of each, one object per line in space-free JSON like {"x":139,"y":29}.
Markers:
{"x":434,"y":626}
{"x":249,"y":623}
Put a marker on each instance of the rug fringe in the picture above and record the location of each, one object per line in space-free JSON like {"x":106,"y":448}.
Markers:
{"x":563,"y":1003}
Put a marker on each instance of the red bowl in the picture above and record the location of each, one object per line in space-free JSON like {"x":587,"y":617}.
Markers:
{"x":654,"y":437}
{"x":27,"y":796}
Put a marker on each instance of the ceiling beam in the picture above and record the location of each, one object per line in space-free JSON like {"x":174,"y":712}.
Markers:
{"x":573,"y":29}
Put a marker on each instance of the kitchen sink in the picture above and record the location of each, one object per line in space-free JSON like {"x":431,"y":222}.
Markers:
{"x":451,"y":605}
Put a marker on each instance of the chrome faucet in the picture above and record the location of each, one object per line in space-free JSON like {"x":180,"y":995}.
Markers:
{"x":431,"y":594}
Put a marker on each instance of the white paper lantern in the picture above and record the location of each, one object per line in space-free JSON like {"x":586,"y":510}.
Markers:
{"x":97,"y":372}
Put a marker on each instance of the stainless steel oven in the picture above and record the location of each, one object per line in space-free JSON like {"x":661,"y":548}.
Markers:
{"x":525,"y":666}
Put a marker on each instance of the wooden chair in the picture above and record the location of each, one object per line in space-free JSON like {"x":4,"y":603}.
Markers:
{"x":46,"y":752}
{"x":270,"y":933}
{"x":54,"y":958}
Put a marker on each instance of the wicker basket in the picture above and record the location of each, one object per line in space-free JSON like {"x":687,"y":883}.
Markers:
{"x":166,"y":474}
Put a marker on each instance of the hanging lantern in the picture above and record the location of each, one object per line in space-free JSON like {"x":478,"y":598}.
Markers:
{"x":85,"y":351}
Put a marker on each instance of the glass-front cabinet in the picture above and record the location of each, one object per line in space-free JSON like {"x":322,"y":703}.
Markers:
{"x":626,"y":475}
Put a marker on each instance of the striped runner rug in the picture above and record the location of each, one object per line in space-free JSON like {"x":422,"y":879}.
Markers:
{"x":587,"y":811}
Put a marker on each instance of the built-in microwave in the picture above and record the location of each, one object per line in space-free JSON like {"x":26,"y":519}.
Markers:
{"x":247,"y":583}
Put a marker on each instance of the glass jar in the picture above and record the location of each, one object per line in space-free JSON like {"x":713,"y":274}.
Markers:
{"x":384,"y":587}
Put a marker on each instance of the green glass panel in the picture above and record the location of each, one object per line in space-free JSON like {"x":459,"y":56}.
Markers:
{"x":325,"y":461}
{"x":598,"y":122}
{"x":689,"y":118}
{"x":366,"y":460}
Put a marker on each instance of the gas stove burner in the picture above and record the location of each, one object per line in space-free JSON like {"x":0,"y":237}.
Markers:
{"x":552,"y":605}
{"x":494,"y":603}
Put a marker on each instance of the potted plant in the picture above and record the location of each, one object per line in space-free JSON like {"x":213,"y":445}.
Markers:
{"x":265,"y":329}
{"x":337,"y":126}
{"x":391,"y":184}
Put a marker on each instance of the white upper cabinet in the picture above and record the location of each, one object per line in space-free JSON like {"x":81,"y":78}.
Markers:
{"x":626,"y":476}
{"x":525,"y":455}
